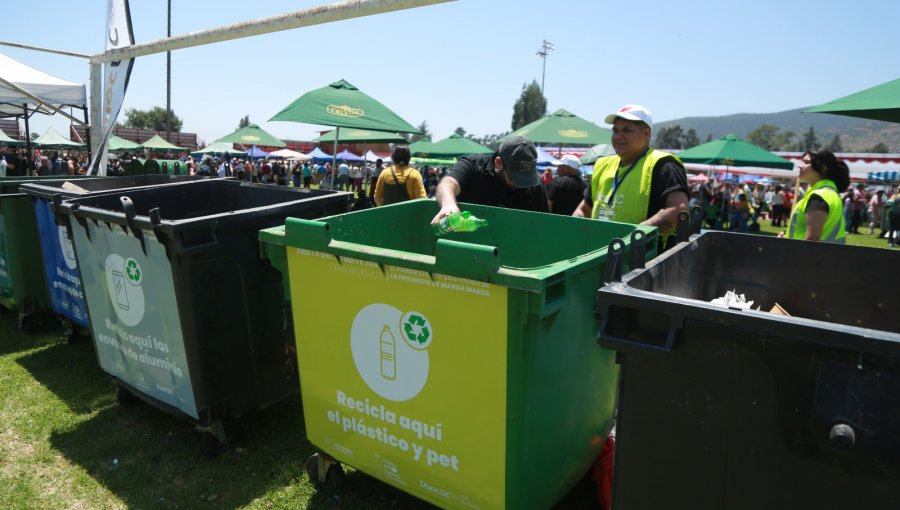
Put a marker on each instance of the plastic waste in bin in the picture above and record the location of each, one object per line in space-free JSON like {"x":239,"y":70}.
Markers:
{"x":23,"y":287}
{"x":461,"y":369}
{"x":62,"y":277}
{"x":185,"y":314}
{"x":724,"y":408}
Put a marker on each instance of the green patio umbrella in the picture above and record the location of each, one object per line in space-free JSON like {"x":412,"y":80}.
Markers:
{"x":881,"y":102}
{"x":158,"y":143}
{"x":732,"y":151}
{"x":51,"y":139}
{"x":9,"y":142}
{"x":420,"y":147}
{"x":362,"y":136}
{"x":455,"y":146}
{"x":252,"y":134}
{"x":120,"y":144}
{"x":563,"y":127}
{"x":342,"y":105}
{"x":596,"y":152}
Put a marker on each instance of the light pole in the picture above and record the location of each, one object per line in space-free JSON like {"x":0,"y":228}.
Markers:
{"x":546,"y":47}
{"x":169,"y":76}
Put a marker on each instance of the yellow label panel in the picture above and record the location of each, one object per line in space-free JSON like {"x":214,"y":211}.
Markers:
{"x":403,"y":375}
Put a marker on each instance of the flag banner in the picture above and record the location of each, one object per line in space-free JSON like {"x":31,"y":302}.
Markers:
{"x":115,"y":76}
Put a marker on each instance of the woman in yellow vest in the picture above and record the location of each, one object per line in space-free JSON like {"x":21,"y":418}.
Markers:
{"x":399,"y":182}
{"x":819,"y":216}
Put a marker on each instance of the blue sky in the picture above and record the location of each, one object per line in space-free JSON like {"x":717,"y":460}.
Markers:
{"x":463,"y":63}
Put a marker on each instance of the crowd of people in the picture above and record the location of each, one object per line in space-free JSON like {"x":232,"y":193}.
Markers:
{"x":739,"y":206}
{"x":21,"y":163}
{"x":826,"y":206}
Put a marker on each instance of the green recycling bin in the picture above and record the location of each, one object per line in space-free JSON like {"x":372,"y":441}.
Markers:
{"x":744,"y":408}
{"x":23,"y":287}
{"x":185,"y":315}
{"x":460,"y":369}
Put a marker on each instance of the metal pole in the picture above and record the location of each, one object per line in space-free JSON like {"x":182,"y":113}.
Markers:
{"x":48,"y":50}
{"x":546,"y":47}
{"x":347,"y":9}
{"x":27,"y":140}
{"x":169,"y":76}
{"x":337,"y":135}
{"x":96,"y":98}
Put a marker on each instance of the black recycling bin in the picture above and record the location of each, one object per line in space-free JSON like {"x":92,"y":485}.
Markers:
{"x":63,"y":279}
{"x":730,"y":408}
{"x":184,"y":313}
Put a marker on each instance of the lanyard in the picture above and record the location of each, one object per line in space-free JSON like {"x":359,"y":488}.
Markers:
{"x":618,"y":182}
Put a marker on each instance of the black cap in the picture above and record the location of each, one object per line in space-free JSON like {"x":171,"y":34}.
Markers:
{"x":519,"y":156}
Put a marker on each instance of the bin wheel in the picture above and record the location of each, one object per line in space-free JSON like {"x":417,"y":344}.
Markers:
{"x":210,"y":446}
{"x":125,"y":398}
{"x":334,"y":476}
{"x":27,"y":324}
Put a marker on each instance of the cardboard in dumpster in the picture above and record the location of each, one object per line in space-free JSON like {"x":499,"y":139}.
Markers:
{"x":779,"y":310}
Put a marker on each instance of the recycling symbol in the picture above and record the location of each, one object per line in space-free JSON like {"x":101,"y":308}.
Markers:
{"x":417,"y":330}
{"x":133,"y":271}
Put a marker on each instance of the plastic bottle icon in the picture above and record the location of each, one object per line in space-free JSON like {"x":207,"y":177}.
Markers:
{"x":388,"y":353}
{"x":458,"y":222}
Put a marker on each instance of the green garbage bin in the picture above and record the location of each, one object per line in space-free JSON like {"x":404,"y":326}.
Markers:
{"x":730,"y":408}
{"x":461,"y":369}
{"x":23,"y":288}
{"x":63,"y":280}
{"x":185,"y":315}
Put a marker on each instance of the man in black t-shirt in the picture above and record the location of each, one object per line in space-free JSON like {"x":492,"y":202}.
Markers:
{"x":566,"y":190}
{"x":507,"y":178}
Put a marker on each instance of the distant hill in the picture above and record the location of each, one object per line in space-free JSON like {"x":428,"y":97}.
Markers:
{"x":857,"y":135}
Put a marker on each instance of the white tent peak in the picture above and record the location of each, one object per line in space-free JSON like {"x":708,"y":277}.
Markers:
{"x":51,"y":89}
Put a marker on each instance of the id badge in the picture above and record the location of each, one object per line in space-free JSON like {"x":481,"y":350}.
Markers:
{"x":604,"y":214}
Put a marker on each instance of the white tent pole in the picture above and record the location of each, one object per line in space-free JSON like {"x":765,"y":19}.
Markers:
{"x":347,"y":9}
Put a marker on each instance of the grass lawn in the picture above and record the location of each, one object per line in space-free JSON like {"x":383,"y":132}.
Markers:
{"x":66,"y":444}
{"x":861,"y":239}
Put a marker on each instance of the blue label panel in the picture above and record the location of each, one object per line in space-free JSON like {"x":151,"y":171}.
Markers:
{"x":63,"y":277}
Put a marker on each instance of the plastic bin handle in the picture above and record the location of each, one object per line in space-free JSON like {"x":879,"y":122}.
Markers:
{"x":659,"y":331}
{"x":466,"y":260}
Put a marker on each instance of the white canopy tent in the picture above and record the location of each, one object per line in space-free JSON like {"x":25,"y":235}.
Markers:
{"x":293,"y":155}
{"x":25,"y":90}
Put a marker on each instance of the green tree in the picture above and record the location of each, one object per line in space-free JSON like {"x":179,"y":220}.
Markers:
{"x":531,"y":106}
{"x":879,"y":148}
{"x":810,"y":141}
{"x":784,"y":140}
{"x":765,"y":136}
{"x":424,"y":133}
{"x":690,"y":139}
{"x":245,"y":121}
{"x":669,"y":137}
{"x":491,"y":141}
{"x":460,"y":131}
{"x":835,"y":145}
{"x":154,"y":118}
{"x":709,"y":137}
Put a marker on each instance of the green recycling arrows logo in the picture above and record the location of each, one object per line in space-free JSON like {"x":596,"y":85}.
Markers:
{"x":417,"y":330}
{"x":133,"y":271}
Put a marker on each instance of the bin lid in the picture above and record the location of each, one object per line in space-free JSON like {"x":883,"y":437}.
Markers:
{"x":519,"y":249}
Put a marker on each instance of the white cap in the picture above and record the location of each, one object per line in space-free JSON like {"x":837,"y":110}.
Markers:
{"x":570,"y":161}
{"x":632,"y":112}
